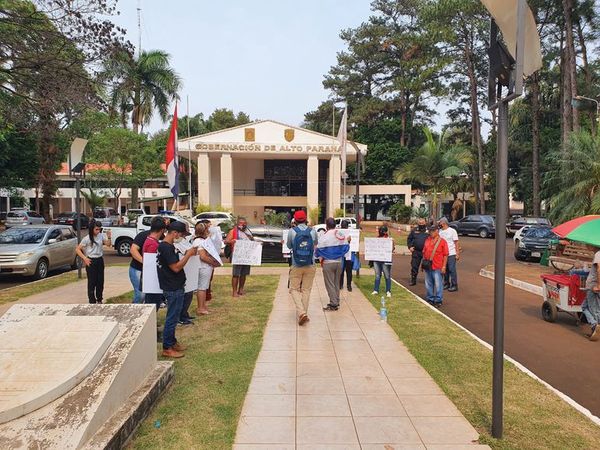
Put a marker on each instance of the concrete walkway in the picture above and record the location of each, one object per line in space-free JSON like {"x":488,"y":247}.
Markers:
{"x":116,"y":282}
{"x":343,"y":381}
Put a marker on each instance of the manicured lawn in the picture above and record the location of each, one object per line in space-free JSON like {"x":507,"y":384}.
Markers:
{"x":18,"y":292}
{"x":399,"y":238}
{"x":202,"y":407}
{"x":535,"y":418}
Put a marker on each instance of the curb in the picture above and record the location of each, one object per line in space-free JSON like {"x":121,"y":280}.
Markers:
{"x":519,"y":284}
{"x":582,"y":409}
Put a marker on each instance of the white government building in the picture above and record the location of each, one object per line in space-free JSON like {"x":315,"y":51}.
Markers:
{"x":270,"y":165}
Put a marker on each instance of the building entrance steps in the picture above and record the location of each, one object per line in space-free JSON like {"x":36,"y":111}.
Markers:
{"x":343,"y":380}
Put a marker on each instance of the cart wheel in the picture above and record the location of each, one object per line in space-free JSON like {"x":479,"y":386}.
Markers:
{"x":549,"y":311}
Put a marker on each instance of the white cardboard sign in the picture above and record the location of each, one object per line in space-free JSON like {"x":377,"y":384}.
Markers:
{"x":150,"y":283}
{"x":355,"y":238}
{"x":379,"y":249}
{"x":191,"y":270}
{"x":246,"y":252}
{"x":284,"y":248}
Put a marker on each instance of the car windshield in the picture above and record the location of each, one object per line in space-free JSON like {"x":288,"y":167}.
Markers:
{"x":66,"y":214}
{"x":15,"y":214}
{"x":22,"y":236}
{"x":100,"y":214}
{"x":537,"y":232}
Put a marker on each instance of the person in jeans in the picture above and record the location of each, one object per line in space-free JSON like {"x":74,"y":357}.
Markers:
{"x":415,"y":242}
{"x":435,"y":258}
{"x":155,"y":234}
{"x":451,"y":237}
{"x":383,"y":267}
{"x":204,"y":244}
{"x":331,"y":250}
{"x":347,"y":263}
{"x":136,"y":265}
{"x":302,"y":239}
{"x":591,"y":304}
{"x":91,"y":252}
{"x":171,"y":279}
{"x":239,"y":271}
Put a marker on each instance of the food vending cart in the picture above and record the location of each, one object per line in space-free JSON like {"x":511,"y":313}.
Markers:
{"x":562,"y":293}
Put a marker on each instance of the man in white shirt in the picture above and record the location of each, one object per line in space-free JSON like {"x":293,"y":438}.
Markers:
{"x":451,"y":237}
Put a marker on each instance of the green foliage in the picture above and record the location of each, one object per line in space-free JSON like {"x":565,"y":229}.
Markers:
{"x":94,"y":199}
{"x":276,"y":219}
{"x":314,"y":214}
{"x":339,"y":212}
{"x":420,"y":213}
{"x":18,"y":159}
{"x":400,"y":212}
{"x":202,"y":207}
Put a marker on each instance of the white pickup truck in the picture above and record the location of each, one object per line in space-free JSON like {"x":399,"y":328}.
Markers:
{"x":122,"y":237}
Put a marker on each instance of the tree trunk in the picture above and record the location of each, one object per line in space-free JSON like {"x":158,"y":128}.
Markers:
{"x":475,"y":127}
{"x":566,"y":108}
{"x":402,"y":122}
{"x":535,"y":143}
{"x":587,"y":73}
{"x":571,"y":65}
{"x":136,"y":118}
{"x":48,"y":155}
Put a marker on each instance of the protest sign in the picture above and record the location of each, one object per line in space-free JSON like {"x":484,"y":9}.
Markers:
{"x":246,"y":252}
{"x":355,"y":237}
{"x":150,"y":275}
{"x":191,"y":269}
{"x":284,"y":248}
{"x":379,"y":249}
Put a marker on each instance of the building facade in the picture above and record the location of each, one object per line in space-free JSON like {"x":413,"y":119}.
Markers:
{"x":268,"y":165}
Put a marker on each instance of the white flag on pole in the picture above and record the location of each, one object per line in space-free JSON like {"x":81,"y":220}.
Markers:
{"x":343,"y":138}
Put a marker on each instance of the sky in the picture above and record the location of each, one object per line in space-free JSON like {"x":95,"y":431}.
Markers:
{"x":266,"y":57}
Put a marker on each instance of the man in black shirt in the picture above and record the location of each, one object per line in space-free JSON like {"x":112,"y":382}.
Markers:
{"x":415,"y":242}
{"x":171,"y":279}
{"x":135,"y":267}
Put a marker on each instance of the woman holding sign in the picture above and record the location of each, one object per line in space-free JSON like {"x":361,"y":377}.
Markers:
{"x":205,"y":248}
{"x":384,"y":267}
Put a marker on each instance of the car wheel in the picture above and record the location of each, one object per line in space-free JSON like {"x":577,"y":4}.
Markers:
{"x":549,"y":311}
{"x":483,"y":233}
{"x":124,"y":247}
{"x":41,"y":270}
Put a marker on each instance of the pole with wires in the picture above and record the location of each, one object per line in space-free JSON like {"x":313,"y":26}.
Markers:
{"x":189,"y":155}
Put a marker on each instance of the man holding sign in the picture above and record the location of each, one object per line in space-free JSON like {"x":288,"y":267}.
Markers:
{"x":379,"y":251}
{"x":240,"y":271}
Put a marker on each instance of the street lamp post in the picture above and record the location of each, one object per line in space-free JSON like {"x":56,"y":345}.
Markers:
{"x":77,"y":168}
{"x":508,"y":66}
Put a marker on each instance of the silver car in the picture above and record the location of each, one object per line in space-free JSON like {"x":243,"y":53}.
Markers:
{"x":36,"y":249}
{"x":23,"y":217}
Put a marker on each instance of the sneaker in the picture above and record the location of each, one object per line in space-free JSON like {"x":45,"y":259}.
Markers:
{"x":446,"y":287}
{"x":413,"y":281}
{"x":349,"y":288}
{"x":179,"y":347}
{"x":172,"y":353}
{"x":453,"y":289}
{"x":375,"y":293}
{"x":302,"y":319}
{"x":594,"y":335}
{"x":186,"y":322}
{"x":388,"y":294}
{"x":331,"y":307}
{"x":162,"y":305}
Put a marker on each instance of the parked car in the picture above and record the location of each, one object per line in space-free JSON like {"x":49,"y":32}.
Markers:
{"x":216,"y":217}
{"x":271,"y":237}
{"x":108,"y":217}
{"x":70,"y":218}
{"x":321,"y":228}
{"x":122,"y":236}
{"x":533,"y":243}
{"x":23,"y":217}
{"x":518,"y":223}
{"x":36,"y":249}
{"x":479,"y":224}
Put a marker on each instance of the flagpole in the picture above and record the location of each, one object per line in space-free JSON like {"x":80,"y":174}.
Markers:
{"x":189,"y":154}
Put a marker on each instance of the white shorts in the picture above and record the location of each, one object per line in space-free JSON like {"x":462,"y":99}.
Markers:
{"x":204,"y":275}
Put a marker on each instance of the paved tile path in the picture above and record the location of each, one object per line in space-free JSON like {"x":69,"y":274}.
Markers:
{"x":343,"y":381}
{"x":116,"y":282}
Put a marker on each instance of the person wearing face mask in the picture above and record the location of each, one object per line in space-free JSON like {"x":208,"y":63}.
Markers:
{"x":240,"y":272}
{"x":416,"y":242}
{"x":157,"y":229}
{"x":171,"y":279}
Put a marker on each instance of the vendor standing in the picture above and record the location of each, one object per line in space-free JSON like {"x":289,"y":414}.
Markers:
{"x":591,"y":305}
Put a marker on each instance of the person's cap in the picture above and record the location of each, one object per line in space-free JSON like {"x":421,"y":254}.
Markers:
{"x":300,"y":216}
{"x":443,"y":220}
{"x":432,"y":228}
{"x":176,"y":225}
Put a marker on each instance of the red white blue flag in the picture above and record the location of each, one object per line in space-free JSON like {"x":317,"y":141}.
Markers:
{"x":172,"y":158}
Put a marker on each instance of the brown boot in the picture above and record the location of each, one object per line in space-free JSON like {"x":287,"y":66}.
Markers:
{"x":172,"y":353}
{"x":179,"y":347}
{"x":303,"y":319}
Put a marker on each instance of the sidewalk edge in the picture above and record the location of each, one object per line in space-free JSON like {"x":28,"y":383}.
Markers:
{"x":519,"y":284}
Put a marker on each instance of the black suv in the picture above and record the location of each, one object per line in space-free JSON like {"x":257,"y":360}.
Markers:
{"x":479,"y":224}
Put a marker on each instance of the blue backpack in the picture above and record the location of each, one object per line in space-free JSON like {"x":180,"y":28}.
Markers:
{"x":303,"y":247}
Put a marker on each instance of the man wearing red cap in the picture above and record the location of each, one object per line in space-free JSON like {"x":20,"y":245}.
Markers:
{"x":302,"y":239}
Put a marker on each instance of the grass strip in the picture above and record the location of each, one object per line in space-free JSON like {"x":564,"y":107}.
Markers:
{"x":534,"y":418}
{"x":18,"y":292}
{"x":202,"y":408}
{"x":399,"y":239}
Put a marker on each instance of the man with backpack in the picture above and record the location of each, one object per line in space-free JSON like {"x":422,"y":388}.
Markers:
{"x":302,"y":239}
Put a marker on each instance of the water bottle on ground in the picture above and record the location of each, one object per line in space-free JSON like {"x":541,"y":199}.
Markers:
{"x":383,"y":310}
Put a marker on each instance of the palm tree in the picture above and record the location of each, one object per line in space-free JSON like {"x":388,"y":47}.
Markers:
{"x":433,"y":163}
{"x":139,"y":86}
{"x":575,"y":178}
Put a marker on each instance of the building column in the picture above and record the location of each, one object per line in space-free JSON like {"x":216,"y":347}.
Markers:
{"x":203,"y":179}
{"x":312,"y":182}
{"x":334,"y":185}
{"x":226,"y":181}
